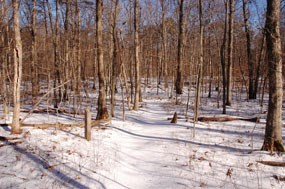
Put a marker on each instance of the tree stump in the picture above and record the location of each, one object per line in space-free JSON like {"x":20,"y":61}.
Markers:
{"x":174,"y":119}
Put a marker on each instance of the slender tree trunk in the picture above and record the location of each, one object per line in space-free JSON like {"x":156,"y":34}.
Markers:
{"x":273,"y":131}
{"x":137,"y":60}
{"x":67,"y":64}
{"x":250,"y":62}
{"x":223,"y":59}
{"x":200,"y":69}
{"x":210,"y":69}
{"x":54,"y":31}
{"x":257,"y":75}
{"x":34,"y":71}
{"x":123,"y":72}
{"x":78,"y":49}
{"x":17,"y":69}
{"x":163,"y":7}
{"x":230,"y":52}
{"x":5,"y":57}
{"x":115,"y":56}
{"x":102,"y":105}
{"x":179,"y":79}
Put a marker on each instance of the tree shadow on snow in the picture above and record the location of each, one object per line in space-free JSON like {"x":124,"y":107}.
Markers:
{"x":223,"y":131}
{"x":62,"y":177}
{"x":227,"y":148}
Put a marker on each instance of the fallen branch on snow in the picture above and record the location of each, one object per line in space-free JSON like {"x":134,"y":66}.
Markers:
{"x":272,"y":163}
{"x":54,"y":110}
{"x":206,"y":119}
{"x":95,"y":123}
{"x":220,"y":119}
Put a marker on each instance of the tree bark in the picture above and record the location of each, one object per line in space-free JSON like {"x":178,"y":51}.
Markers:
{"x":163,"y":7}
{"x":137,"y":60}
{"x":257,"y":74}
{"x":273,"y":131}
{"x":179,"y":79}
{"x":230,"y":52}
{"x":250,"y":62}
{"x":115,"y":56}
{"x":102,"y":106}
{"x":17,"y":69}
{"x":223,"y":59}
{"x":34,"y":74}
{"x":200,"y":71}
{"x":78,"y":49}
{"x":54,"y":31}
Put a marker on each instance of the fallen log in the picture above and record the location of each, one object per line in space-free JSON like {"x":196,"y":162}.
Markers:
{"x":272,"y":163}
{"x":178,"y":117}
{"x":227,"y":118}
{"x":53,"y":110}
{"x":94,"y":123}
{"x":220,"y":119}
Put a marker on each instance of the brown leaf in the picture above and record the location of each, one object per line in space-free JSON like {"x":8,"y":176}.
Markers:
{"x":230,"y":172}
{"x":18,"y":158}
{"x":201,"y":158}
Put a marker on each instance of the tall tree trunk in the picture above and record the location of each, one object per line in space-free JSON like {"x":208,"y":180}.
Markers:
{"x":179,"y":79}
{"x":223,"y":58}
{"x":5,"y":57}
{"x":102,"y":106}
{"x":200,"y":69}
{"x":230,"y":53}
{"x":250,"y":62}
{"x":260,"y":55}
{"x":54,"y":31}
{"x":163,"y":7}
{"x":34,"y":74}
{"x":115,"y":56}
{"x":78,"y":49}
{"x":17,"y":69}
{"x":67,"y":67}
{"x":137,"y":60}
{"x":273,"y":131}
{"x":210,"y":69}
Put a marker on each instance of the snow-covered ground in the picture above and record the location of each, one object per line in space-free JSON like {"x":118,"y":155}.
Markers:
{"x":144,"y":152}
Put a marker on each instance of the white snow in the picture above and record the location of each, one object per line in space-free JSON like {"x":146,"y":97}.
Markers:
{"x":144,"y":152}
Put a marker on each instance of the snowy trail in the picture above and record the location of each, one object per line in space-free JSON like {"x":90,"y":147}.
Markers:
{"x":143,"y":157}
{"x":144,"y":152}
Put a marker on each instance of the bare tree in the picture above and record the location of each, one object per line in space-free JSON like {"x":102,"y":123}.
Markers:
{"x":201,"y":60}
{"x":137,"y":60}
{"x":273,"y":131}
{"x":250,"y":62}
{"x":179,"y":79}
{"x":115,"y":57}
{"x":163,"y":25}
{"x":34,"y":70}
{"x":223,"y":57}
{"x":102,"y":106}
{"x":230,"y":52}
{"x":17,"y":69}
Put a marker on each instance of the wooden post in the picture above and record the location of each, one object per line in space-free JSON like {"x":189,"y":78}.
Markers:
{"x":88,"y":124}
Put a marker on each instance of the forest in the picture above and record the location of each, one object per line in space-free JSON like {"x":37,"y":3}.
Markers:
{"x":142,"y":93}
